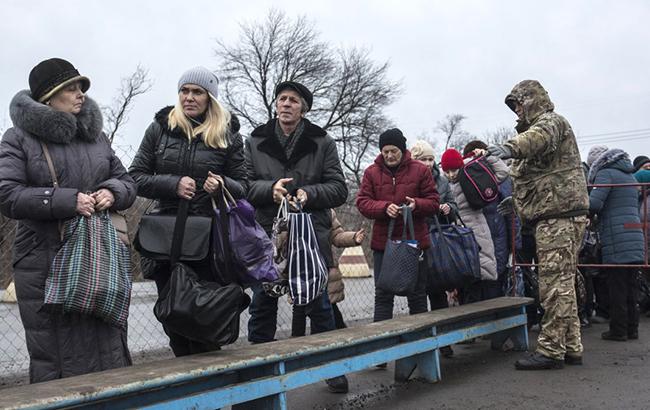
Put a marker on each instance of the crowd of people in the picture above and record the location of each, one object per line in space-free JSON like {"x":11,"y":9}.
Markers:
{"x":564,"y":211}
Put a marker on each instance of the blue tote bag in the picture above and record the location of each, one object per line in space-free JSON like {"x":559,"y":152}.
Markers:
{"x":453,"y":256}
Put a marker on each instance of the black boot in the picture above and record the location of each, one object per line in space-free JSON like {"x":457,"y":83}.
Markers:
{"x":612,"y":336}
{"x":573,"y":360}
{"x":446,"y":351}
{"x":337,"y":384}
{"x":632,"y":334}
{"x":538,"y":361}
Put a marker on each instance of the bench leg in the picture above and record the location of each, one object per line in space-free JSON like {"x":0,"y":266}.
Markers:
{"x":273,"y":402}
{"x":427,"y":365}
{"x":518,"y":337}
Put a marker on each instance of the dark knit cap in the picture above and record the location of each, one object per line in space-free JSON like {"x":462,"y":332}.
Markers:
{"x":472,"y":145}
{"x":297,"y":87}
{"x":640,"y":161}
{"x":451,"y":159}
{"x":394,"y":137}
{"x":50,"y":76}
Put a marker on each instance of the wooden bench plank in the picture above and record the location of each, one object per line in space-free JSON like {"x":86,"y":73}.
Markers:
{"x":194,"y":367}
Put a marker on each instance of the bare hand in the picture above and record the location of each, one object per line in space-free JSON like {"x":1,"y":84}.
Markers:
{"x":445,"y":209}
{"x":410,"y":202}
{"x":212,"y":183}
{"x":279,"y":191}
{"x":104,"y":199}
{"x":85,"y":204}
{"x":393,"y":210}
{"x":359,"y":236}
{"x":479,"y":152}
{"x":301,"y":196}
{"x":186,"y":188}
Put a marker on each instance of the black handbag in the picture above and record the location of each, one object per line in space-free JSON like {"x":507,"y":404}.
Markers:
{"x":202,"y":311}
{"x":156,"y":233}
{"x":399,"y":266}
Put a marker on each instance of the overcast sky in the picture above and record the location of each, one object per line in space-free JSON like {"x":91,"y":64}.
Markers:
{"x":593,"y":57}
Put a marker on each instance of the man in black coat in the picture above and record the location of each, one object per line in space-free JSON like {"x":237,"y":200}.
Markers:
{"x":291,"y":156}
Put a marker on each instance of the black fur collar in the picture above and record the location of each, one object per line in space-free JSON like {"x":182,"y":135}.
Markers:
{"x":272,"y":146}
{"x":49,"y":125}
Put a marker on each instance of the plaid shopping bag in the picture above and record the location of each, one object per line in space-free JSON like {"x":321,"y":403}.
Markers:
{"x":91,"y":273}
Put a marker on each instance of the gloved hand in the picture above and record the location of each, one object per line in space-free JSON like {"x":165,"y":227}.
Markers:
{"x":500,"y":151}
{"x":506,"y":207}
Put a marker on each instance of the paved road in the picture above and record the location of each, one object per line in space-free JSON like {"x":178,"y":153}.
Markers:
{"x":615,"y":376}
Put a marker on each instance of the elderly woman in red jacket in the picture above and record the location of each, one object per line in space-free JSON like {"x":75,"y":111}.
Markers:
{"x":393,"y":180}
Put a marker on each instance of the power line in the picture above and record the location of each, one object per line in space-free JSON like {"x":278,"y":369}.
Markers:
{"x":629,"y":132}
{"x":611,"y":140}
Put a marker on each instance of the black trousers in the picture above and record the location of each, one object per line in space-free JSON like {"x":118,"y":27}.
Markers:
{"x":384,"y":301}
{"x":299,"y":320}
{"x":623,"y":303}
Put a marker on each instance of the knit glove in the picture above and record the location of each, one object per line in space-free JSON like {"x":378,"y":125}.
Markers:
{"x":506,"y":207}
{"x":500,"y":151}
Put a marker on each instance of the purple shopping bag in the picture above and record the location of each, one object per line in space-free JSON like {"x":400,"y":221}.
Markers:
{"x":252,"y":249}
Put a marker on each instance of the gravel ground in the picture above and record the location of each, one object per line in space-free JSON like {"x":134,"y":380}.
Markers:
{"x":614,"y":376}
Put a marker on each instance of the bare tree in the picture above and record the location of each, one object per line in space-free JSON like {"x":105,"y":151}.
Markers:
{"x":350,"y":90}
{"x":266,"y":53}
{"x":452,"y":129}
{"x":116,"y":114}
{"x":499,"y":135}
{"x":353,"y":109}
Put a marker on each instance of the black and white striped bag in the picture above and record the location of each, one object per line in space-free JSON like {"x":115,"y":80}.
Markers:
{"x":307,"y":268}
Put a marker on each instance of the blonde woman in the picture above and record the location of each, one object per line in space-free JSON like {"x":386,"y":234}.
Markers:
{"x":186,"y":153}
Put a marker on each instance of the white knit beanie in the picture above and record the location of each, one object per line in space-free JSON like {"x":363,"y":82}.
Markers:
{"x":421,"y":149}
{"x":595,"y":152}
{"x":202,"y":77}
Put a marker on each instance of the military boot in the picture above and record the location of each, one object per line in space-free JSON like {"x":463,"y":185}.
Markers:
{"x":573,"y":359}
{"x":337,"y":384}
{"x":538,"y":361}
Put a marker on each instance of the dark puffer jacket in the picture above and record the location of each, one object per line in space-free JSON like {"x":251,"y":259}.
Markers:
{"x":59,"y":345}
{"x":314,"y":166}
{"x":501,"y":227}
{"x":446,"y":196}
{"x":166,"y":155}
{"x":618,"y":208}
{"x":380,"y":188}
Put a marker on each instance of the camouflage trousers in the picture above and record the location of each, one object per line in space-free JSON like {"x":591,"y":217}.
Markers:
{"x":558,"y":242}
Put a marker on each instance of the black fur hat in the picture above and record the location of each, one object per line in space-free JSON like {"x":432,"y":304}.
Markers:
{"x":50,"y":76}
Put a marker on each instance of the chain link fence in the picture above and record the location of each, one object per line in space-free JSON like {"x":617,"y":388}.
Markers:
{"x":146,"y":339}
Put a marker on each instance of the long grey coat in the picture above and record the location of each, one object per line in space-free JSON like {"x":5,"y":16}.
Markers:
{"x":474,"y":218}
{"x":59,"y":345}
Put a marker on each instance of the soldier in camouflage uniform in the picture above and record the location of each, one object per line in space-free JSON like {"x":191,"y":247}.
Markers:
{"x":550,"y":194}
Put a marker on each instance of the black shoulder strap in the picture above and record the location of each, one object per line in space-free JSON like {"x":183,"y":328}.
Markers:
{"x":179,"y":231}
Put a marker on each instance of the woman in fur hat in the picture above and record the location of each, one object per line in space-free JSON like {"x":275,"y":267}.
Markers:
{"x":56,"y":113}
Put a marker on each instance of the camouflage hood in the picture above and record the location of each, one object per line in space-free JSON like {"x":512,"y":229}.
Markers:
{"x":533,"y":98}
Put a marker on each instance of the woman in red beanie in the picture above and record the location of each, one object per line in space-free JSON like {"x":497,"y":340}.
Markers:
{"x":451,"y":163}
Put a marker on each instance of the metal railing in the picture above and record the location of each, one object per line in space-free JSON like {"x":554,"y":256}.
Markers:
{"x":644,"y":225}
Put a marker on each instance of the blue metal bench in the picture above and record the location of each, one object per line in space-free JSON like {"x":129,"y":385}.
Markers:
{"x":258,"y":376}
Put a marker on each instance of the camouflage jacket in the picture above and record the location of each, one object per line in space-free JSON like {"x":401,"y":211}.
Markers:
{"x":547,"y":176}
